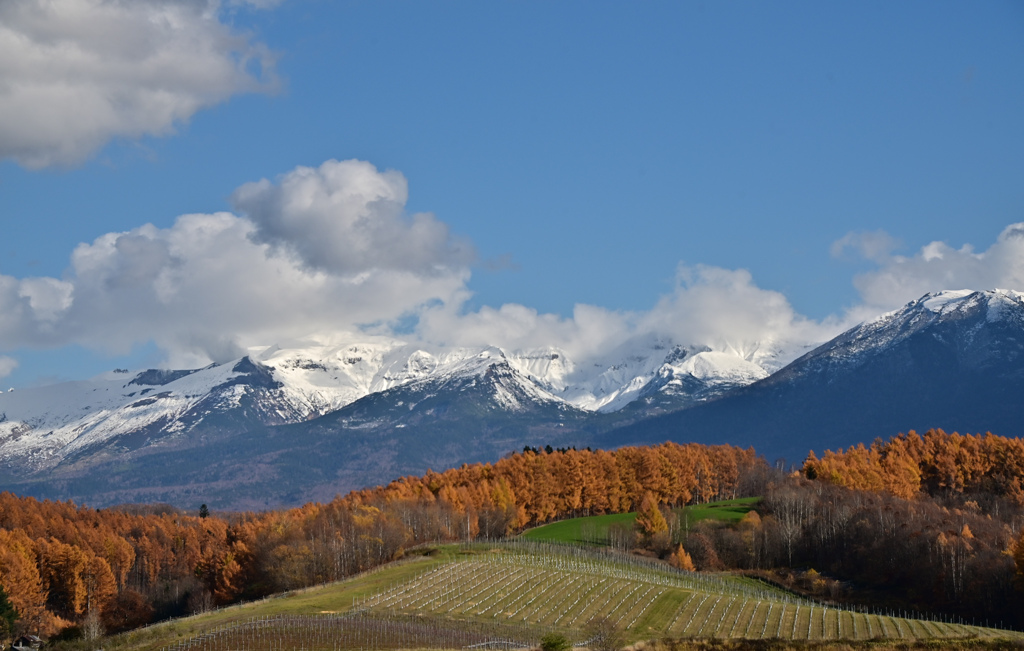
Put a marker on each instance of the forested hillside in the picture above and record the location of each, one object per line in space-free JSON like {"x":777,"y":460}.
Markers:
{"x":927,"y":523}
{"x":64,"y":564}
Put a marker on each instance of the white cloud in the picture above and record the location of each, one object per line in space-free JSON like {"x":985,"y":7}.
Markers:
{"x":586,"y":334}
{"x":346,"y":217}
{"x":710,"y":306}
{"x":48,"y":298}
{"x":332,"y":249}
{"x":938,"y":266}
{"x":725,"y":310}
{"x":75,"y":74}
{"x":208,"y":286}
{"x":7,"y":366}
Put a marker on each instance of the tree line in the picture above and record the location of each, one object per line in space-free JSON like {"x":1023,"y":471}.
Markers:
{"x":83,"y":570}
{"x":936,"y":464}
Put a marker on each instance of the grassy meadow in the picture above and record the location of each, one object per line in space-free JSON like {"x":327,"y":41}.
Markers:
{"x":595,"y":529}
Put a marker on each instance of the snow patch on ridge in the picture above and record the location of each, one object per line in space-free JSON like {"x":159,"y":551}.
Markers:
{"x":937,"y":302}
{"x":714,"y":366}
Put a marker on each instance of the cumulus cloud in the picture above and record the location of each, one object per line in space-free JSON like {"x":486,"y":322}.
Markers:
{"x":938,"y":266}
{"x":331,"y":248}
{"x":211,"y":284}
{"x":75,"y":74}
{"x":725,"y":310}
{"x":7,"y":366}
{"x":346,"y":217}
{"x":722,"y":309}
{"x":585,"y":334}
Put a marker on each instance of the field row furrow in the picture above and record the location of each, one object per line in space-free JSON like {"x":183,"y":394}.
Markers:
{"x":587,"y":594}
{"x":570,"y":593}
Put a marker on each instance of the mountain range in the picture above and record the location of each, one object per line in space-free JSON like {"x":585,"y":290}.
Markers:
{"x":303,"y":421}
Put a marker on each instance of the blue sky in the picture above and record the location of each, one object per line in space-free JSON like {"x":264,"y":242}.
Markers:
{"x":609,"y":154}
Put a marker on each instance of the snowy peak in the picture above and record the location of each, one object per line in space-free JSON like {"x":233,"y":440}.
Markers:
{"x":972,"y":326}
{"x":509,"y":388}
{"x":662,"y":368}
{"x":503,"y":378}
{"x":297,"y":381}
{"x":998,"y":303}
{"x":550,"y":367}
{"x":332,"y":376}
{"x":692,"y":376}
{"x":995,"y":304}
{"x":951,"y":359}
{"x":160,"y":377}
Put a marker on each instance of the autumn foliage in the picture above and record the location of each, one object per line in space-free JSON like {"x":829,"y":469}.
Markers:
{"x":649,"y":519}
{"x":929,"y":520}
{"x":936,"y":463}
{"x":63,"y":564}
{"x":681,"y":559}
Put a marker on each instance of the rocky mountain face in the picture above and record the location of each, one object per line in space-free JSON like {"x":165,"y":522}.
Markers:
{"x":292,"y":423}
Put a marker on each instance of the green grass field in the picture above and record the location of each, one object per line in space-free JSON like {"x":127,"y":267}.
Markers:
{"x":590,"y":530}
{"x":724,"y":511}
{"x":593,"y":530}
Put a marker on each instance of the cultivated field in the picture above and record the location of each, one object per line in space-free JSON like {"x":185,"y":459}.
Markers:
{"x":566,"y":591}
{"x":509,"y":595}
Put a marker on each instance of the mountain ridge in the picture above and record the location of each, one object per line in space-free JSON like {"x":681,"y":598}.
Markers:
{"x":285,"y":425}
{"x":288,"y":386}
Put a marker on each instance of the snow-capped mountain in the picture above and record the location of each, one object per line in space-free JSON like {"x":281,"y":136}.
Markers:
{"x":282,"y":384}
{"x":977,"y":328}
{"x":305,"y":420}
{"x":952,"y":359}
{"x":331,"y":375}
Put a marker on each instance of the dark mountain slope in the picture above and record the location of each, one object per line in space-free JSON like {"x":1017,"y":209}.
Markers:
{"x":954,"y":360}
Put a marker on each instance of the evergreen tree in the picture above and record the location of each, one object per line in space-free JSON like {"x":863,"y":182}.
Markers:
{"x":8,"y":615}
{"x":555,"y":642}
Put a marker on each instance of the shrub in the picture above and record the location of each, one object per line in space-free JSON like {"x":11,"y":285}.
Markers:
{"x":555,"y":642}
